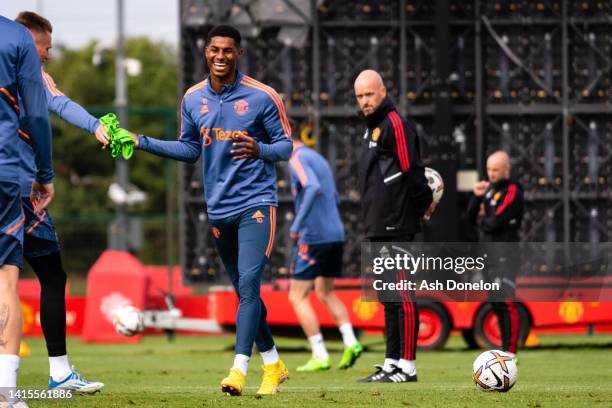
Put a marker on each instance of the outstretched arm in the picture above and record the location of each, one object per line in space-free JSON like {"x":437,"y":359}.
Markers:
{"x":72,"y":112}
{"x":187,"y":148}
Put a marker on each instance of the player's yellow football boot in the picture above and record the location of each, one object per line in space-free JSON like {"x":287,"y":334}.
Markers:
{"x":233,"y":383}
{"x":274,"y":375}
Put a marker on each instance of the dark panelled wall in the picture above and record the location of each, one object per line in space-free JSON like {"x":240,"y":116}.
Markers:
{"x":529,"y":77}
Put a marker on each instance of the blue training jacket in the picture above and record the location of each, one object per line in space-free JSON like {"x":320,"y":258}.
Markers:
{"x":317,"y":218}
{"x":63,"y":107}
{"x":209,"y":121}
{"x":22,"y":95}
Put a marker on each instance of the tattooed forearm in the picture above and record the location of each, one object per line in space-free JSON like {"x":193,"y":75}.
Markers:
{"x":4,"y":318}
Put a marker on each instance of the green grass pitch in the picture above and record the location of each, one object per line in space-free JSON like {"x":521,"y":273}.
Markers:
{"x":567,"y":371}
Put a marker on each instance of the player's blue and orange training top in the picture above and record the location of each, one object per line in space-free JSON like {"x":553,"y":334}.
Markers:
{"x":22,"y":95}
{"x":209,"y":121}
{"x":63,"y":107}
{"x":317,"y":218}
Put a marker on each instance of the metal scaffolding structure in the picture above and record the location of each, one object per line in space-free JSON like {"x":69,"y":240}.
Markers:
{"x":529,"y":77}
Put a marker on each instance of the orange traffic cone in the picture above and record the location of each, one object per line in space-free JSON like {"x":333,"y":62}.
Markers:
{"x":532,"y":340}
{"x":24,"y":349}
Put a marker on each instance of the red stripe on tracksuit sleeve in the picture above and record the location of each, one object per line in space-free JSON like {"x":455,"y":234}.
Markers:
{"x":507,"y":200}
{"x":400,"y":140}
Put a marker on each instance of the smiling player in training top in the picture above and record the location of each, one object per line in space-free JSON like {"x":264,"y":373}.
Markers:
{"x":239,"y":125}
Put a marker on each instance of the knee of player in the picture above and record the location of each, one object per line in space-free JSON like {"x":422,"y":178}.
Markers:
{"x":323,"y":295}
{"x":248,"y":293}
{"x":296,"y":297}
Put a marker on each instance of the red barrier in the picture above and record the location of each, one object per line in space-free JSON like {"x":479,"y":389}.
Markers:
{"x":546,"y":316}
{"x":30,"y":288}
{"x":366,"y":315}
{"x":116,"y":279}
{"x":30,"y":311}
{"x":159,"y":282}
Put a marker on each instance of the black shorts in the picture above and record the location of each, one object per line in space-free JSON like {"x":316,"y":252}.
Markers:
{"x":312,"y":261}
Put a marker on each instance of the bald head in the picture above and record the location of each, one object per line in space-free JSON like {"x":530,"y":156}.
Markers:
{"x":370,"y":91}
{"x":498,"y":166}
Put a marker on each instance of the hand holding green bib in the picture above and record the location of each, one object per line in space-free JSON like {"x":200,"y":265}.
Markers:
{"x":121,"y":143}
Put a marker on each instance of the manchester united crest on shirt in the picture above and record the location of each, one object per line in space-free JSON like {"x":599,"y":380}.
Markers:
{"x":495,"y":199}
{"x":241,"y":107}
{"x":375,"y":134}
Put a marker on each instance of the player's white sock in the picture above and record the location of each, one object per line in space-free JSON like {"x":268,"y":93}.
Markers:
{"x":9,"y":365}
{"x":318,"y":347}
{"x":407,"y":366}
{"x":389,"y":364}
{"x":348,"y":335}
{"x":270,"y":357}
{"x":241,"y":362}
{"x":59,"y":367}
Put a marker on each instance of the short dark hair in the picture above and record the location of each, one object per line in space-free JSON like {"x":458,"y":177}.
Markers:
{"x":34,"y":22}
{"x":224,"y":30}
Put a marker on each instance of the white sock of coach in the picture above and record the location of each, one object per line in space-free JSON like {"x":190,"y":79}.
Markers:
{"x":389,"y":364}
{"x":408,"y":366}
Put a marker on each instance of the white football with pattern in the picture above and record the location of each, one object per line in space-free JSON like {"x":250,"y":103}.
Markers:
{"x":494,"y":370}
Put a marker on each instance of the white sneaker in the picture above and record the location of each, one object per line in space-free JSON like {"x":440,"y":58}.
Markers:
{"x":12,"y":403}
{"x":75,"y":382}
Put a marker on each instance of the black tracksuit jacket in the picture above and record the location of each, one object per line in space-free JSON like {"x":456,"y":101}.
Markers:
{"x":394,"y":190}
{"x":503,"y":205}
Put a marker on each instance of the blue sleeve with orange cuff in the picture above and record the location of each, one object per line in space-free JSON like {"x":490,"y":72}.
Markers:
{"x":187,"y":148}
{"x":66,"y":109}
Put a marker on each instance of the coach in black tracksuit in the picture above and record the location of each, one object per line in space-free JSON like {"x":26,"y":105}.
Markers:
{"x":395,"y":196}
{"x":497,"y":209}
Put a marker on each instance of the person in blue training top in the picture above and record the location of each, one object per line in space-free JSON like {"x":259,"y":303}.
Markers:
{"x":240,"y":127}
{"x":20,"y":79}
{"x":319,"y":233}
{"x":41,"y":246}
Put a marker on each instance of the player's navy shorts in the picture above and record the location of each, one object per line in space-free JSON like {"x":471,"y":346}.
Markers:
{"x":311,"y":261}
{"x":39,"y":236}
{"x":11,"y":225}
